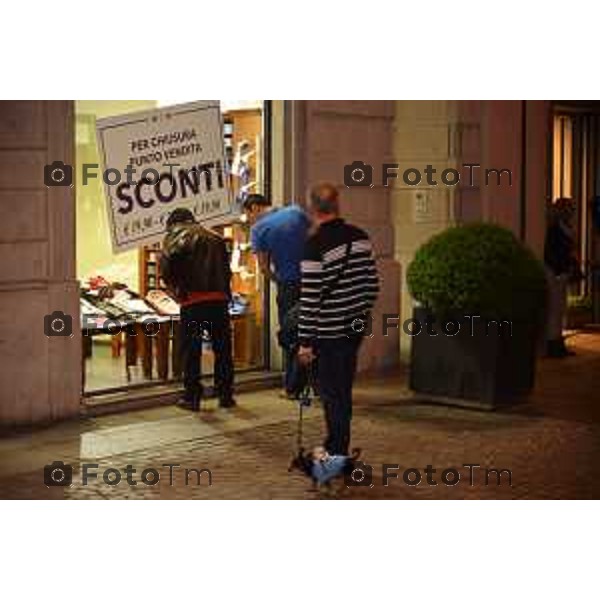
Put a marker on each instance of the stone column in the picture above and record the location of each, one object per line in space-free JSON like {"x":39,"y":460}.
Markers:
{"x":424,"y":133}
{"x":514,"y":135}
{"x":40,"y":377}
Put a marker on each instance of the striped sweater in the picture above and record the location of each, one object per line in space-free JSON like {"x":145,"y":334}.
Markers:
{"x":336,"y":290}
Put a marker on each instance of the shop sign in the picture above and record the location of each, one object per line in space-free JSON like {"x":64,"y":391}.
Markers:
{"x":156,"y":161}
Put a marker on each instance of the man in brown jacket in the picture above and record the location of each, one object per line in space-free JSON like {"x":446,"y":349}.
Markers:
{"x":195,"y":267}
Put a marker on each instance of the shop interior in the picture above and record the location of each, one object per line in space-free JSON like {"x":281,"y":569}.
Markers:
{"x":141,"y":353}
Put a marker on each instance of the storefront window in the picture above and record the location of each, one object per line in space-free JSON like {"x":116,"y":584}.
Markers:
{"x":562,"y":176}
{"x":126,"y":359}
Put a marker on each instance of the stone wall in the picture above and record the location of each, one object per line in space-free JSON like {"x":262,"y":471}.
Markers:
{"x":449,"y":134}
{"x":330,"y":135}
{"x":39,"y":376}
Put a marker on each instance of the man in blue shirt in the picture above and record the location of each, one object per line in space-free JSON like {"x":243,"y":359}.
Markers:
{"x":278,"y":238}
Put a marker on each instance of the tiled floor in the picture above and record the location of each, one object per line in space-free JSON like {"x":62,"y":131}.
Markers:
{"x":551,"y":444}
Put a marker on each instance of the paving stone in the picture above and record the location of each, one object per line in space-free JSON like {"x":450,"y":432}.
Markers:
{"x":551,"y":444}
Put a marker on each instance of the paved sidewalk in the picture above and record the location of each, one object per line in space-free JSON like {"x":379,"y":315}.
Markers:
{"x":551,"y":444}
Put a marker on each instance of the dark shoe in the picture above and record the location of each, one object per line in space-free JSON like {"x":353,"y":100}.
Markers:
{"x":227,"y":403}
{"x":557,"y":349}
{"x":187,"y":405}
{"x":565,"y":351}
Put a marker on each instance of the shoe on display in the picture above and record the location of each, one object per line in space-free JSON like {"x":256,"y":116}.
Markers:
{"x":162,"y":302}
{"x":130,"y":304}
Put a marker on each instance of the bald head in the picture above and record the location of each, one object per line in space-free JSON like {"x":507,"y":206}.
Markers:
{"x":324,"y":200}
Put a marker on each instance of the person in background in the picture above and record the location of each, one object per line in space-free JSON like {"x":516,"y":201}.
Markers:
{"x":339,"y":287}
{"x":195,"y":268}
{"x":561,"y":267}
{"x":278,"y":236}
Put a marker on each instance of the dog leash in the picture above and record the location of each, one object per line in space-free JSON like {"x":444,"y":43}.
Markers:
{"x":304,"y":401}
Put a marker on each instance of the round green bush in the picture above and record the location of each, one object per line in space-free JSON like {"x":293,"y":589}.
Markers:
{"x":481,"y":269}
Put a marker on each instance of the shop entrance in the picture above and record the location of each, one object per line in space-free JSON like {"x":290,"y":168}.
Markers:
{"x":576,"y":175}
{"x":118,"y":359}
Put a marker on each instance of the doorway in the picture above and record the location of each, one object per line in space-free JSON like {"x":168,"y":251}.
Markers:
{"x":575,"y":175}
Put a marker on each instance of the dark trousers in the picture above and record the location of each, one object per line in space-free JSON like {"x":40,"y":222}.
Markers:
{"x":288,"y":294}
{"x":206,"y":320}
{"x":336,"y":367}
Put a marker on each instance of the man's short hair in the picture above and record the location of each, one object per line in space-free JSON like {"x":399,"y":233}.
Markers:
{"x":180,"y":215}
{"x":324,"y":199}
{"x":253,"y":200}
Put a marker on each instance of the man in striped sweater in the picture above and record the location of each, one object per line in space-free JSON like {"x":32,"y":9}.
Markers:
{"x":339,"y":287}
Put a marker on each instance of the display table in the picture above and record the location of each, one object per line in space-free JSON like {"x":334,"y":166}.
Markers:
{"x":150,"y":336}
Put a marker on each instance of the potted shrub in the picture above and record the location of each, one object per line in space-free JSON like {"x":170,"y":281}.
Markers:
{"x":480,"y":298}
{"x":579,"y":311}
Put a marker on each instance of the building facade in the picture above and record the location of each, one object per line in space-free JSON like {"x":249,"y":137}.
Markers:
{"x":310,"y":141}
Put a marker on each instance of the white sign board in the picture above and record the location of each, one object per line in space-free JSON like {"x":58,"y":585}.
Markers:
{"x":159,"y":160}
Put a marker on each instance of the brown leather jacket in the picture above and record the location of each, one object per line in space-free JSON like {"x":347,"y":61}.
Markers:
{"x":195,"y":259}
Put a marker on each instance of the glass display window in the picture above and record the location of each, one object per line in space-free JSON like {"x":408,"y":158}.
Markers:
{"x":112,"y":284}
